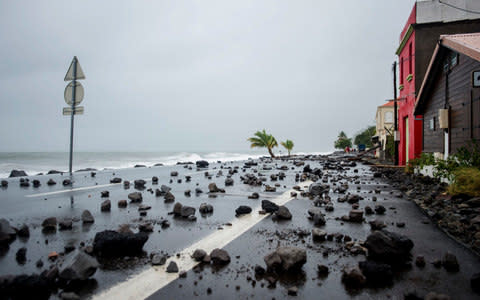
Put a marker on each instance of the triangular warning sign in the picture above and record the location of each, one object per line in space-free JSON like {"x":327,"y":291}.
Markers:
{"x":69,"y":76}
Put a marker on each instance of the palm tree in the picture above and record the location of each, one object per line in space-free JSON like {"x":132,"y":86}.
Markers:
{"x":288,"y":144}
{"x":263,"y":139}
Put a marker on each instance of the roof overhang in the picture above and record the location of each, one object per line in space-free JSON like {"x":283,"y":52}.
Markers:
{"x":405,"y":38}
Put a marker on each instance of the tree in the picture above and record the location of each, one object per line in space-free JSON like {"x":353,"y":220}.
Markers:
{"x":342,"y":141}
{"x":288,"y":144}
{"x":365,"y":137}
{"x":262,"y":139}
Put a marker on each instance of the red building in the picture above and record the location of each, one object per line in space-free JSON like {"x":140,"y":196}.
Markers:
{"x":427,"y":21}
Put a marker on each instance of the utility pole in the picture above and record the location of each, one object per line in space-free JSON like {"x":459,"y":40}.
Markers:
{"x":395,"y":114}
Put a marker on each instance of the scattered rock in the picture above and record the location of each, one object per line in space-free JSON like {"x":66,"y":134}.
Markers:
{"x":78,"y":266}
{"x":110,"y":243}
{"x":87,"y":217}
{"x":269,"y":206}
{"x":242,"y":210}
{"x":135,"y":197}
{"x":122,"y":203}
{"x":199,"y":254}
{"x":352,"y":277}
{"x":219,"y":257}
{"x":283,"y":213}
{"x":205,"y":208}
{"x":23,"y":232}
{"x":50,"y":223}
{"x":104,"y":194}
{"x":21,"y":256}
{"x":158,"y":260}
{"x":450,"y":262}
{"x":388,"y":246}
{"x":172,"y":267}
{"x":286,"y":258}
{"x":377,"y":274}
{"x":17,"y":173}
{"x":169,"y":197}
{"x":106,"y":206}
{"x":318,"y":234}
{"x":228,"y":182}
{"x":356,"y":215}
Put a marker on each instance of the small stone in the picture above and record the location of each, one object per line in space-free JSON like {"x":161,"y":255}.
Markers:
{"x":122,"y":203}
{"x":158,"y":260}
{"x":450,"y":262}
{"x":199,"y":254}
{"x":172,"y":267}
{"x":106,"y":206}
{"x":87,"y":217}
{"x":420,"y":261}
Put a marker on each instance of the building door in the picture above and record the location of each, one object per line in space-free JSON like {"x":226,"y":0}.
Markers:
{"x":407,"y":134}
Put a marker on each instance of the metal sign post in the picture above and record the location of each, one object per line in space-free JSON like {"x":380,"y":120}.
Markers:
{"x":73,"y":96}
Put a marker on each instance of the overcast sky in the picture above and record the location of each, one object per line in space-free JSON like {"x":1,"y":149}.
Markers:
{"x":195,"y":75}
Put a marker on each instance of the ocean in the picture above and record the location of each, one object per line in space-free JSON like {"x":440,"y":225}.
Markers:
{"x":42,"y":162}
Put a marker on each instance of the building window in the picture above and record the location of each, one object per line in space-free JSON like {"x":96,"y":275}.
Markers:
{"x":451,"y":61}
{"x":432,"y":123}
{"x":410,"y":58}
{"x":388,"y":117}
{"x":401,"y":70}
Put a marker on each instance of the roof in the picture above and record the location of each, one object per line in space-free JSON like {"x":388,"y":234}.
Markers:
{"x":465,"y":43}
{"x":389,"y":103}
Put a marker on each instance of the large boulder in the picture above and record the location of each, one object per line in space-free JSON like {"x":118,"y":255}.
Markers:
{"x":388,"y":246}
{"x":269,"y":206}
{"x":377,"y":274}
{"x":286,"y":258}
{"x":169,"y":197}
{"x":202,"y":164}
{"x":17,"y":173}
{"x":87,"y":217}
{"x":317,"y":189}
{"x":353,"y":277}
{"x":135,"y":197}
{"x":283,"y":213}
{"x":187,"y":211}
{"x":78,"y":266}
{"x":219,"y":257}
{"x":243,"y":210}
{"x":110,"y":243}
{"x":7,"y":233}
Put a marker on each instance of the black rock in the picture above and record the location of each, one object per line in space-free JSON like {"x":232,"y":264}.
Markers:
{"x":254,"y":196}
{"x":17,"y":173}
{"x":242,"y":210}
{"x":269,"y":206}
{"x":104,"y":194}
{"x":172,"y":267}
{"x":51,"y":182}
{"x":377,"y":274}
{"x":110,"y":243}
{"x":78,"y":266}
{"x":116,"y":180}
{"x":450,"y":262}
{"x":283,"y":213}
{"x":21,"y":256}
{"x":202,"y":164}
{"x":219,"y":257}
{"x":67,"y":182}
{"x":259,"y":270}
{"x":139,"y":184}
{"x":4,"y":183}
{"x":135,"y":197}
{"x":388,"y":246}
{"x":23,"y":231}
{"x":36,"y":183}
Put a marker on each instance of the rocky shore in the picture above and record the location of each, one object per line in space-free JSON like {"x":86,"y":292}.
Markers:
{"x":352,"y":224}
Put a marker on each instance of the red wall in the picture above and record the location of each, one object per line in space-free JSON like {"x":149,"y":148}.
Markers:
{"x":406,"y":103}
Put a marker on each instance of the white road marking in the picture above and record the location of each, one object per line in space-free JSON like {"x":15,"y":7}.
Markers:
{"x":153,"y":279}
{"x":84,"y":188}
{"x":72,"y":190}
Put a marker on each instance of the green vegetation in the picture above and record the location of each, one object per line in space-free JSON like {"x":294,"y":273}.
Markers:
{"x":288,"y":144}
{"x":466,"y":182}
{"x":262,"y":139}
{"x":365,"y":137}
{"x":342,"y":141}
{"x":462,"y":169}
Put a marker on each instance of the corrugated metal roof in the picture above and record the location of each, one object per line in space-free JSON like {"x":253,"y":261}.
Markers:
{"x":466,"y":43}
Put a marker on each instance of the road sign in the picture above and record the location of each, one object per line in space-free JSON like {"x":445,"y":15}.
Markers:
{"x":79,"y":93}
{"x":70,"y":75}
{"x":67,"y":111}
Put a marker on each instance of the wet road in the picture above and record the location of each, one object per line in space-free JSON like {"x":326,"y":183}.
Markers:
{"x":31,"y":206}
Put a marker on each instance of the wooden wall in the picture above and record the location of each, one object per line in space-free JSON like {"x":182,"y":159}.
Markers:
{"x":463,"y":101}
